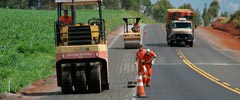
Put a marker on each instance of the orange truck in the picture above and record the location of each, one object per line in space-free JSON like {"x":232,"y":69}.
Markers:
{"x":180,"y":27}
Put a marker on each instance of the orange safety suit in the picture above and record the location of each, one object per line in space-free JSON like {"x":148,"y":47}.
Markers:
{"x":148,"y":63}
{"x":136,"y":27}
{"x":66,"y":20}
{"x":140,"y":55}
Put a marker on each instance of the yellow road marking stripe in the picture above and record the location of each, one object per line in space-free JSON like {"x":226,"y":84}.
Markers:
{"x":205,"y":74}
{"x":226,"y":83}
{"x":237,"y":89}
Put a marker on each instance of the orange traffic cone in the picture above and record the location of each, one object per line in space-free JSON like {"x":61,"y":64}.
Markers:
{"x":140,"y":88}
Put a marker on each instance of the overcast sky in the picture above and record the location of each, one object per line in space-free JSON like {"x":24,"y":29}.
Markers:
{"x":225,"y":5}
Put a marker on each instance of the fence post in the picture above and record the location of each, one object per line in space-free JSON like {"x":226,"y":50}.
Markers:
{"x":9,"y":84}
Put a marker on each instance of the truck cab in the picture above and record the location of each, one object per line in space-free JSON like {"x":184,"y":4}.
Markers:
{"x":179,"y":27}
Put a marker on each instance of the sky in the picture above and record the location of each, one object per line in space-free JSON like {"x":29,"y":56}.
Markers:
{"x":225,"y":5}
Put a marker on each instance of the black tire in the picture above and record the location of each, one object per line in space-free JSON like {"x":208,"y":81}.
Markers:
{"x":171,"y":44}
{"x":66,"y":84}
{"x":105,"y":87}
{"x":80,"y":83}
{"x":168,"y":41}
{"x":191,"y":44}
{"x":94,"y":85}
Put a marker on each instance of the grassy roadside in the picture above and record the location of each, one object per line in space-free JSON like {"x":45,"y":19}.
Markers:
{"x":27,"y":43}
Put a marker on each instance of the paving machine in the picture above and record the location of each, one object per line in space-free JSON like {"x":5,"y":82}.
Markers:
{"x":81,"y":51}
{"x":132,"y":34}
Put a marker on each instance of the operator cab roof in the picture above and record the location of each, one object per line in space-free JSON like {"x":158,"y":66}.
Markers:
{"x":69,"y":2}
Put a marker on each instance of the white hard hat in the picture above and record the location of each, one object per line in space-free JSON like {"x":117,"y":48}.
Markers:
{"x":148,"y":50}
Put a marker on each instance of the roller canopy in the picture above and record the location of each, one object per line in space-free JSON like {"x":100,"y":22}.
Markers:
{"x":126,"y":19}
{"x":78,"y":1}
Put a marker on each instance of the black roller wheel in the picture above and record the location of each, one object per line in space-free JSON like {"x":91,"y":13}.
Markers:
{"x":94,"y":84}
{"x":66,"y":84}
{"x":80,"y":83}
{"x":125,"y":45}
{"x":105,"y":87}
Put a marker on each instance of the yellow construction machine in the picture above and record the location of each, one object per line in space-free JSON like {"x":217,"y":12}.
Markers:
{"x":81,"y":51}
{"x":132,"y":34}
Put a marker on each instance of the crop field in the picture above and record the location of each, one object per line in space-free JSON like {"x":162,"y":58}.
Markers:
{"x":27,"y":43}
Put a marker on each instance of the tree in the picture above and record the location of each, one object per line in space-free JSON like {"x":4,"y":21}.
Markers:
{"x":224,"y":14}
{"x":131,"y":5}
{"x":205,"y":16}
{"x":111,"y":4}
{"x":213,"y":9}
{"x":160,"y":10}
{"x":186,"y":6}
{"x":197,"y":18}
{"x":148,"y":5}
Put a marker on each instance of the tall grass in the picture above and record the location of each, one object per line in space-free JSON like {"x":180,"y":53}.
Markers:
{"x":27,"y":49}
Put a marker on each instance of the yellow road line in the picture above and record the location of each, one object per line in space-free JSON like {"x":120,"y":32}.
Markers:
{"x":205,"y":74}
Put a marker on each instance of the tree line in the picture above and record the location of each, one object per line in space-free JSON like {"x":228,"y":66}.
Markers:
{"x":157,"y":11}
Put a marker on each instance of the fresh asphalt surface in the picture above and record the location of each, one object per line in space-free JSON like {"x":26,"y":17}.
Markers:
{"x":172,"y":79}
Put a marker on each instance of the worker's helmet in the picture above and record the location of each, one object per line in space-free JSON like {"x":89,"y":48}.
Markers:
{"x":65,"y":11}
{"x":140,"y":46}
{"x":148,"y":52}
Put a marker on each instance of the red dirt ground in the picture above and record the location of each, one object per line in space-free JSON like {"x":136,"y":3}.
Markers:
{"x":229,"y":27}
{"x":228,"y":33}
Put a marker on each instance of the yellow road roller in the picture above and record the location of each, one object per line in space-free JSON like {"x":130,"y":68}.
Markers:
{"x":81,"y":50}
{"x":132,"y":34}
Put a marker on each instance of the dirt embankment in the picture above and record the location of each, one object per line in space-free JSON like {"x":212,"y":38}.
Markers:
{"x":229,"y":26}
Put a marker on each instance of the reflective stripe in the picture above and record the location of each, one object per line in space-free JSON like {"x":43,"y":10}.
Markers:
{"x":149,"y":77}
{"x":145,"y":76}
{"x":140,"y":84}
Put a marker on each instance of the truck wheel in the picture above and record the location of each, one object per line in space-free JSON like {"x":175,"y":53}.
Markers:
{"x":80,"y":83}
{"x":171,"y":44}
{"x":66,"y":84}
{"x":191,"y":44}
{"x":168,"y":41}
{"x":95,"y":80}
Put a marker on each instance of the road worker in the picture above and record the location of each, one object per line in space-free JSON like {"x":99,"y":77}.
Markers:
{"x":136,"y":27}
{"x":139,"y":58}
{"x":65,"y":19}
{"x":149,"y":58}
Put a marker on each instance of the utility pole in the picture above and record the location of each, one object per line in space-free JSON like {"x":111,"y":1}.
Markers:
{"x":39,"y":4}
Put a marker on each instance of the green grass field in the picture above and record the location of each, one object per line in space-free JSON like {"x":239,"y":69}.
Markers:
{"x":27,"y":43}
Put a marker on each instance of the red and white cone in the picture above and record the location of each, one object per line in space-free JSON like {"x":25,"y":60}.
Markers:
{"x":140,"y":88}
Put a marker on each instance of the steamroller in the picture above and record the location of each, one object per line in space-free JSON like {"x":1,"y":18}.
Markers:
{"x":132,"y":35}
{"x":81,"y":50}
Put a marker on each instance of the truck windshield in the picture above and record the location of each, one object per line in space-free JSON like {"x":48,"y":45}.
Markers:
{"x":182,"y":25}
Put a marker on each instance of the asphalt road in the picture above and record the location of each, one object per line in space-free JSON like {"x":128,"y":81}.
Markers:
{"x":173,"y":79}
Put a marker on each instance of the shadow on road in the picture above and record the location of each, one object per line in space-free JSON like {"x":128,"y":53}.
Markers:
{"x":42,"y":94}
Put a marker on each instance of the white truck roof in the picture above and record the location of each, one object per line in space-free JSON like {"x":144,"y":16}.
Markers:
{"x":181,"y":21}
{"x":78,"y":1}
